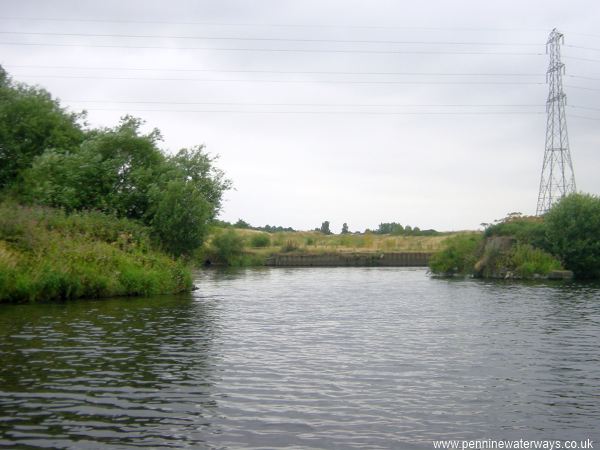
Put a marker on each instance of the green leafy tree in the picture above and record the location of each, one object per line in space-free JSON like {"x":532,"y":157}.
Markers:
{"x":345,"y":228}
{"x":31,"y":121}
{"x":325,"y":228}
{"x":121,"y":171}
{"x":198,"y":167}
{"x":179,"y":216}
{"x":241,"y":224}
{"x":111,"y":171}
{"x":573,"y":231}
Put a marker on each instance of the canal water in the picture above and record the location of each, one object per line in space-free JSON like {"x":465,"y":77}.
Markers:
{"x":305,"y":358}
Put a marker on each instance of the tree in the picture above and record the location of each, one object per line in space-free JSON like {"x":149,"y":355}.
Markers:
{"x":179,"y":217}
{"x":31,"y":121}
{"x":241,"y":224}
{"x":121,"y":171}
{"x":325,"y":228}
{"x":573,"y":231}
{"x":228,"y":246}
{"x":345,"y":228}
{"x":111,"y":171}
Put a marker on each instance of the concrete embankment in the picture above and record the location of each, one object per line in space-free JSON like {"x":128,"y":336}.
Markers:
{"x":350,"y":259}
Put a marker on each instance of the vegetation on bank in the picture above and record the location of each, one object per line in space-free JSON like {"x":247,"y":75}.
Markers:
{"x":46,"y":254}
{"x":568,"y":236}
{"x":249,"y":247}
{"x":108,"y":178}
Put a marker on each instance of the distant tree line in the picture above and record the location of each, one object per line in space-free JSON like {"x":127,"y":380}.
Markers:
{"x":406,"y":230}
{"x":246,"y":226}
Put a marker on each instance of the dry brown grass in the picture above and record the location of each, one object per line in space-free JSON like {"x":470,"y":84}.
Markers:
{"x":315,"y":242}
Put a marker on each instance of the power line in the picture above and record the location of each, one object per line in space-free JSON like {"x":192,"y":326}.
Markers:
{"x":583,"y":48}
{"x":224,"y":80}
{"x":277,"y":50}
{"x":584,"y":78}
{"x":274,"y":25}
{"x":470,"y":105}
{"x":584,"y":107}
{"x":294,"y":72}
{"x":584,"y":117}
{"x":262,"y":39}
{"x":581,"y":87}
{"x":581,"y":59}
{"x":378,"y":113}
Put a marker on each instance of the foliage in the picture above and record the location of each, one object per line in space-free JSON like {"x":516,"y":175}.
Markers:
{"x":227,"y":247}
{"x":397,"y":229}
{"x":111,"y":171}
{"x":289,"y":246}
{"x":260,"y":240}
{"x":389,"y":228}
{"x":179,"y":217}
{"x":345,"y":228}
{"x":47,"y":255}
{"x":458,"y":257}
{"x":525,"y":261}
{"x":122,"y":172}
{"x":530,"y":230}
{"x":573,"y":230}
{"x":325,"y":228}
{"x":242,"y":224}
{"x":31,"y":121}
{"x":274,"y":229}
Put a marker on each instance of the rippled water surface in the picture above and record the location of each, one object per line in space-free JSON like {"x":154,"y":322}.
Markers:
{"x":305,"y":358}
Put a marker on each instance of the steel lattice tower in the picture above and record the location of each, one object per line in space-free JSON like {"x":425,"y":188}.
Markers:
{"x":558,"y":178}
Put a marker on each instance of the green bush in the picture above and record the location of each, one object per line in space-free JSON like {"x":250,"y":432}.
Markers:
{"x":228,"y":247}
{"x":260,"y":240}
{"x":458,"y":257}
{"x":526,"y":230}
{"x":180,"y":217}
{"x":573,"y":230}
{"x":527,"y":261}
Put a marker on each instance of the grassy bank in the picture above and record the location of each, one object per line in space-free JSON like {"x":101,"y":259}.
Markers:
{"x":47,"y":255}
{"x":245,"y":247}
{"x":567,"y":236}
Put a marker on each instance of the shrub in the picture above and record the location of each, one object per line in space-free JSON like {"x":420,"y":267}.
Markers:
{"x":573,"y":229}
{"x":527,"y":261}
{"x":458,"y":257}
{"x":228,"y":247}
{"x":260,"y":240}
{"x":526,"y":230}
{"x":180,"y":217}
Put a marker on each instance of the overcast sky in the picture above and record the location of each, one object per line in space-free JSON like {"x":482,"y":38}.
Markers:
{"x":432,"y":116}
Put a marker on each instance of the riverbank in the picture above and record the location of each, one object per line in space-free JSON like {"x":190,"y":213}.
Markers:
{"x":47,"y":255}
{"x":243,"y":247}
{"x":419,"y":259}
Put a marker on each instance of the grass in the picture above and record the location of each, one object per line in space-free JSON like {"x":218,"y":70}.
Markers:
{"x":47,"y":255}
{"x":315,"y":242}
{"x":259,"y":245}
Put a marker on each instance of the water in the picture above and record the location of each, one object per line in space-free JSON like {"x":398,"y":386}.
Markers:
{"x":304,"y":358}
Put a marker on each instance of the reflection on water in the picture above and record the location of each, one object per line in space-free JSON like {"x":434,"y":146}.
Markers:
{"x":305,"y":358}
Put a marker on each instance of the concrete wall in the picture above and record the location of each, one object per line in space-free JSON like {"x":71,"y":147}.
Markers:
{"x":351,"y":259}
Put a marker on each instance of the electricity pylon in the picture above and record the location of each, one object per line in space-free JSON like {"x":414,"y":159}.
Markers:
{"x":558,"y":178}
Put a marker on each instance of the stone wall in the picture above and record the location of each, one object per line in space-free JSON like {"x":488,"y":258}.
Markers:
{"x":350,"y":259}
